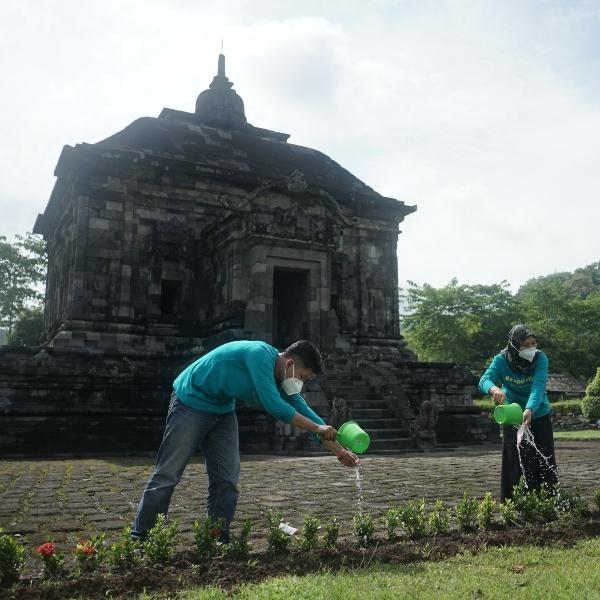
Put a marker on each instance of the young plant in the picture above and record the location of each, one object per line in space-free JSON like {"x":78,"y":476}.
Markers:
{"x":412,"y":517}
{"x":526,"y":502}
{"x":53,"y":560}
{"x":331,"y":533}
{"x":277,"y":539}
{"x":391,"y":520}
{"x":485,"y":511}
{"x":508,"y":512}
{"x":308,"y":534}
{"x":90,"y":553}
{"x":12,"y":557}
{"x":363,"y":528}
{"x":571,"y":504}
{"x":124,"y":553}
{"x":206,"y":535}
{"x":439,"y":518}
{"x":466,"y":513}
{"x":597,"y":499}
{"x":238,"y":546}
{"x":546,"y":504}
{"x":158,"y":546}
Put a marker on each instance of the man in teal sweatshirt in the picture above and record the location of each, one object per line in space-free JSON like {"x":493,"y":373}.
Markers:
{"x":202,"y":415}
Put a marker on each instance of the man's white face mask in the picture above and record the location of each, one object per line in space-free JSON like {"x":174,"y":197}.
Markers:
{"x":292,"y":385}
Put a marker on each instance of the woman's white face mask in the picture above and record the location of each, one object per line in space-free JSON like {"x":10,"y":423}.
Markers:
{"x":292,"y":385}
{"x":528,"y":353}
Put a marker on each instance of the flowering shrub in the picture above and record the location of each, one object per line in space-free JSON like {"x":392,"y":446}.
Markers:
{"x":124,"y":553}
{"x":308,"y":534}
{"x":206,"y":535}
{"x":363,"y":528}
{"x":159,"y":546}
{"x":439,"y":519}
{"x":53,"y":560}
{"x":331,"y":533}
{"x":90,"y":553}
{"x":12,"y":556}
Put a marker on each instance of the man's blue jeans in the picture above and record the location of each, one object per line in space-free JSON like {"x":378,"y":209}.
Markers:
{"x":187,"y":430}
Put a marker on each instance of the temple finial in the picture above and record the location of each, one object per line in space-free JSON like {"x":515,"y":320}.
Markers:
{"x":221,"y":69}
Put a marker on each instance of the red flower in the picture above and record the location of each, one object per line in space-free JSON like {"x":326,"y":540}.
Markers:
{"x":47,"y":549}
{"x":215,"y":532}
{"x":88,"y":550}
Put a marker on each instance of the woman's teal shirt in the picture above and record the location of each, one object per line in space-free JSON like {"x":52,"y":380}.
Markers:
{"x":527,"y":390}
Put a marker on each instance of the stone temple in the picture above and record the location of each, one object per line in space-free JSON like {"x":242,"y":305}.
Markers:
{"x":192,"y":229}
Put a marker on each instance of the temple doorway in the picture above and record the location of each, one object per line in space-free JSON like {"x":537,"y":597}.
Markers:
{"x":290,"y":306}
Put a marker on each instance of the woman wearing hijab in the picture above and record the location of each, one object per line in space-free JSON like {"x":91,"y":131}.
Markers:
{"x":518,"y":374}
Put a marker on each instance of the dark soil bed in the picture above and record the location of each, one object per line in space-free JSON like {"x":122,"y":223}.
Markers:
{"x":186,"y":571}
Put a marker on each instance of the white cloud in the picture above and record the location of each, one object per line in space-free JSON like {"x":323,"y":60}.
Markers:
{"x":483,"y":114}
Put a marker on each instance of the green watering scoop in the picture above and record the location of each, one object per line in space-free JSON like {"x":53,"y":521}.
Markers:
{"x":508,"y":414}
{"x":353,"y":438}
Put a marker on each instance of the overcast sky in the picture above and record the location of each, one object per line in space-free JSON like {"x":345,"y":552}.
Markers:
{"x":484,"y":114}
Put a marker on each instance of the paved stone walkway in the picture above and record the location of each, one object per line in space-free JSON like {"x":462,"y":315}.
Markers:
{"x":72,"y":498}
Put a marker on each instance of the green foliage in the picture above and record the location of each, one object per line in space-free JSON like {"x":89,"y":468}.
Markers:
{"x":439,"y":518}
{"x":239,"y":546}
{"x":277,"y":540}
{"x":485,"y":511}
{"x":466,"y":513}
{"x":206,"y":535}
{"x":391,"y":520}
{"x":458,"y":323}
{"x":124,"y":553}
{"x":23,"y":266}
{"x":28,"y":328}
{"x":597,"y":499}
{"x":590,"y":405}
{"x":569,"y":504}
{"x":331,"y":533}
{"x":526,"y":502}
{"x":308,"y":534}
{"x":546,"y":504}
{"x":508,"y":512}
{"x":159,"y":546}
{"x":12,"y":558}
{"x":469,"y":324}
{"x":90,"y":553}
{"x":363,"y":528}
{"x":412,"y":518}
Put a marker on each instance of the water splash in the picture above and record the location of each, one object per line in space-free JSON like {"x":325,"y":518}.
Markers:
{"x":359,"y":490}
{"x":524,"y":434}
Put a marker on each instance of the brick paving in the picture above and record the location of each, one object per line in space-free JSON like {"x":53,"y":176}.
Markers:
{"x":71,"y":498}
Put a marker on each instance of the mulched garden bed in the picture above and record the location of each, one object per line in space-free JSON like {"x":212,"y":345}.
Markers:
{"x":186,"y":571}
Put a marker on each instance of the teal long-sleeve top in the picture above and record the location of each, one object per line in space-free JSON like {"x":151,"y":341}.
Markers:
{"x":527,"y":390}
{"x":239,"y":371}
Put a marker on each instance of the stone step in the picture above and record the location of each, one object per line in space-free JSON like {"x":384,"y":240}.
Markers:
{"x":369,"y":424}
{"x":372,"y":413}
{"x":386,"y":434}
{"x":391,"y":444}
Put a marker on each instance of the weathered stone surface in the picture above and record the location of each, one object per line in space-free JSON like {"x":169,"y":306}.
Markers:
{"x":189,"y":230}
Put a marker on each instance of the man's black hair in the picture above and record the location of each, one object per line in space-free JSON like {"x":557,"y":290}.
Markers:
{"x":307,"y":352}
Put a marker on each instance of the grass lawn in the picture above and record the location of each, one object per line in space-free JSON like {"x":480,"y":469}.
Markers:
{"x":586,"y":434}
{"x":500,"y":573}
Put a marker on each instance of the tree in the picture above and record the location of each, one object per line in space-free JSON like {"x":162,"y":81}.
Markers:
{"x":28,"y":328}
{"x":466,"y":324}
{"x":23,"y":266}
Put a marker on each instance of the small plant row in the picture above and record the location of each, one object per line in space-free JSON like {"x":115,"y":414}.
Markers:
{"x":526,"y":506}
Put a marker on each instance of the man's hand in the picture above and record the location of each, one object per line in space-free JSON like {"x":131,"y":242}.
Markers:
{"x":327,"y":432}
{"x":498,"y":396}
{"x":527,"y":416}
{"x":347,"y":458}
